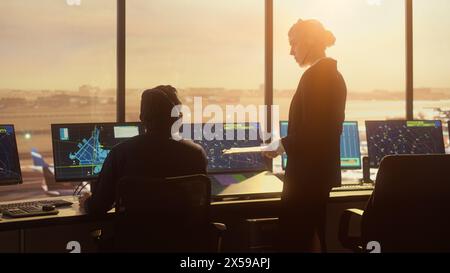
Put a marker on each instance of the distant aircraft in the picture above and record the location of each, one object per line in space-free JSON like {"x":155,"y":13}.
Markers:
{"x":442,"y":114}
{"x":49,"y":185}
{"x":39,"y":163}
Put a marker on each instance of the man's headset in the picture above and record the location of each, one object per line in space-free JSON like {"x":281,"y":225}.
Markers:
{"x":157,"y":105}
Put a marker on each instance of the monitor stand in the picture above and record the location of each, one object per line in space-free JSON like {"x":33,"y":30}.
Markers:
{"x":366,"y":181}
{"x":57,"y":188}
{"x":366,"y":172}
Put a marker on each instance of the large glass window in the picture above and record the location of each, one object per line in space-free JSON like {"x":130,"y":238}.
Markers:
{"x":369,"y":48}
{"x":209,"y":49}
{"x":432,"y":60}
{"x":58,"y":61}
{"x":57,"y":66}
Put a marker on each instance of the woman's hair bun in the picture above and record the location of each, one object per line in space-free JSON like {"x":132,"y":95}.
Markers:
{"x":329,"y":38}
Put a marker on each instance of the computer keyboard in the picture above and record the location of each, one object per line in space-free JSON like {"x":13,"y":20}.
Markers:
{"x":33,"y":208}
{"x":27,"y":211}
{"x":39,"y":203}
{"x":354,"y":187}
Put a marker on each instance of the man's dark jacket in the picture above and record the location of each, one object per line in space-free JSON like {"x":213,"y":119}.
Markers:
{"x":148,"y":155}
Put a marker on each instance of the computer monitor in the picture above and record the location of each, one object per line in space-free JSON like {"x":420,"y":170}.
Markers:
{"x":403,"y":137}
{"x":349,"y":145}
{"x":9,"y":157}
{"x":79,"y":150}
{"x":283,"y":132}
{"x":226,"y":136}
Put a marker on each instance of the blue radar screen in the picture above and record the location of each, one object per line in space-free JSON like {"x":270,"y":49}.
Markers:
{"x":403,"y":137}
{"x":9,"y":159}
{"x":79,"y":150}
{"x":350,"y":146}
{"x":217,"y":137}
{"x":350,"y":153}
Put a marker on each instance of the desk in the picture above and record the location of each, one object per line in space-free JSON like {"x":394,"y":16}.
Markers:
{"x":66,"y":215}
{"x":51,"y":233}
{"x":70,"y":224}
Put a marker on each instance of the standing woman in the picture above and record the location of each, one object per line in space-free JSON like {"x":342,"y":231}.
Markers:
{"x":312,"y":144}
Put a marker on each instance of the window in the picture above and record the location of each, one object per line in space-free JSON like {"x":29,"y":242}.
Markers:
{"x":369,"y":48}
{"x":209,"y":49}
{"x":432,"y":61}
{"x":57,"y":66}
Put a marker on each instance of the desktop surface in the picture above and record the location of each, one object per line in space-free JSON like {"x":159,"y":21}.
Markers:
{"x":10,"y":172}
{"x":349,"y":145}
{"x":65,"y":214}
{"x":79,"y":150}
{"x":403,"y":137}
{"x":73,"y":213}
{"x":245,"y":185}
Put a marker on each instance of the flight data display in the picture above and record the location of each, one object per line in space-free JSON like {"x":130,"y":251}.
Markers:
{"x":283,"y":132}
{"x":9,"y":159}
{"x":215,"y":138}
{"x":403,"y":137}
{"x":349,"y":145}
{"x":79,"y":150}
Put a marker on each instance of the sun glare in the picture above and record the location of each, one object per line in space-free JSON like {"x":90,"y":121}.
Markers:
{"x":374,"y":2}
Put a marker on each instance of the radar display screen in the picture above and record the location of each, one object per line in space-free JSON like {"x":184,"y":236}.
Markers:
{"x":9,"y":158}
{"x":403,"y":137}
{"x":217,"y":137}
{"x":349,"y":145}
{"x":79,"y":150}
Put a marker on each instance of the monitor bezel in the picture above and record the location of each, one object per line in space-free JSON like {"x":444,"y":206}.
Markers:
{"x":234,"y":170}
{"x":245,"y":196}
{"x":12,"y":181}
{"x":359,"y":146}
{"x":342,"y":168}
{"x":398,"y":120}
{"x":93,"y":178}
{"x":283,"y":167}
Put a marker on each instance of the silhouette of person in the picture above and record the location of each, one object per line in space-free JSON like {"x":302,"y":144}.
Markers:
{"x":154,"y":154}
{"x":312,"y":144}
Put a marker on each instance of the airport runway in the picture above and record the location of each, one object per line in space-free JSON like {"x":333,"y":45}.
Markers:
{"x":29,"y":189}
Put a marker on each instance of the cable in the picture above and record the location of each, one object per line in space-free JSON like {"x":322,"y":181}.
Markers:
{"x":84,"y":186}
{"x":76,"y":189}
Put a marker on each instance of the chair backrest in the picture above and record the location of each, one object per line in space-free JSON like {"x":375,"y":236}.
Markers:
{"x":409,"y":209}
{"x":162,"y":214}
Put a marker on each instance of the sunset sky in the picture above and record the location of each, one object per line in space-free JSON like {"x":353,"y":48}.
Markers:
{"x":48,"y":44}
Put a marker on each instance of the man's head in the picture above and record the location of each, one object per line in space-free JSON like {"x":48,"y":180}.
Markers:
{"x":308,"y":40}
{"x":156,"y":108}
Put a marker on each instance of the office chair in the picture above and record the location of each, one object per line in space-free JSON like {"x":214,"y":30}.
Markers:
{"x":409,"y":209}
{"x":165,"y":215}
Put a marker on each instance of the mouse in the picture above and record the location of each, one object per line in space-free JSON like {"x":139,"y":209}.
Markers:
{"x":48,"y":207}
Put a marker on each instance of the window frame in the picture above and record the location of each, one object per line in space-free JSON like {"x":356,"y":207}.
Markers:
{"x":268,"y":61}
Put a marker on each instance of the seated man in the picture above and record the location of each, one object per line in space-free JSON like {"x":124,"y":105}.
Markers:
{"x":154,"y":154}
